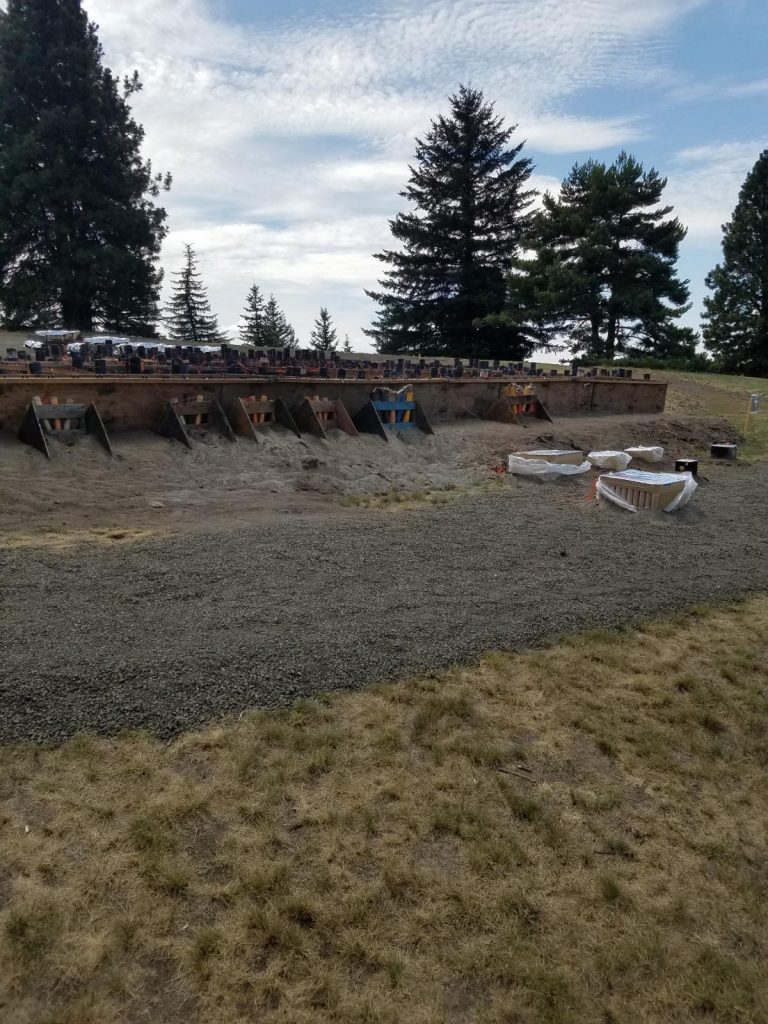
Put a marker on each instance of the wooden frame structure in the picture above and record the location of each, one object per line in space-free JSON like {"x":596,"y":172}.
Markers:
{"x":251,"y":414}
{"x":61,"y":419}
{"x":315,"y":414}
{"x":512,"y":405}
{"x":179,"y":414}
{"x":382,"y":417}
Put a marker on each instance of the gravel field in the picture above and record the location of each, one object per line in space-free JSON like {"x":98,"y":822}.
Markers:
{"x":170,"y":633}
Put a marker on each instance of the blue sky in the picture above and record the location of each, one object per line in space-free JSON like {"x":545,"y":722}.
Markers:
{"x":288,"y":126}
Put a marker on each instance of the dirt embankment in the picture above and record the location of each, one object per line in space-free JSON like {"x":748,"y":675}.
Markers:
{"x":171,"y":632}
{"x":157,"y":485}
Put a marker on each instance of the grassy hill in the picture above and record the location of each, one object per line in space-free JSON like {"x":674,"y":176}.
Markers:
{"x":562,"y":837}
{"x":713,"y":394}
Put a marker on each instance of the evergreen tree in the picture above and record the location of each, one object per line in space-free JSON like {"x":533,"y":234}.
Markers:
{"x":347,"y":346}
{"x":80,"y":231}
{"x":252,"y":324}
{"x":188,"y":315}
{"x":278,"y":333}
{"x":323,"y":336}
{"x":736,"y":314}
{"x":471,"y":200}
{"x":603,"y":270}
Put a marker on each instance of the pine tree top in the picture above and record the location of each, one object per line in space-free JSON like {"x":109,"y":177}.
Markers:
{"x":736,"y":313}
{"x":468,"y":189}
{"x":188,"y":313}
{"x":278,"y":332}
{"x":79,"y":238}
{"x":253,"y":320}
{"x":323,"y":336}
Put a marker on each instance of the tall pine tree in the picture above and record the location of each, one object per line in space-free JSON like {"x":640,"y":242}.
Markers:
{"x":188,"y":315}
{"x":471,"y":198}
{"x":252,"y":324}
{"x":277,"y":331}
{"x":323,"y":336}
{"x":603,"y":271}
{"x":736,"y":314}
{"x":80,"y":229}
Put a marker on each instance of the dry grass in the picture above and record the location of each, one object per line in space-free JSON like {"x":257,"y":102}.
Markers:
{"x":713,"y":394}
{"x":394,"y":499}
{"x":60,"y":540}
{"x":573,"y":835}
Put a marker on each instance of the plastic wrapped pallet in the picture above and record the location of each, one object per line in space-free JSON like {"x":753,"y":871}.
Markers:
{"x":646,"y":454}
{"x":545,"y":470}
{"x":610,"y":483}
{"x":558,"y":455}
{"x":610,"y":460}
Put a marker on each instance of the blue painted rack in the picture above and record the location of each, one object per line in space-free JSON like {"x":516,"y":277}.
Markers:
{"x":399,"y":407}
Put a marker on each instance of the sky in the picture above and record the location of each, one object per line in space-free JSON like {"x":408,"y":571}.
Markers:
{"x":288,"y":127}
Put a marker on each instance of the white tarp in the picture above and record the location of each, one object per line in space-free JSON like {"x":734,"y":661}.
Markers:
{"x":546,"y":453}
{"x":104,"y":340}
{"x":545,"y":470}
{"x":610,"y":460}
{"x":644,"y":477}
{"x":646,"y":454}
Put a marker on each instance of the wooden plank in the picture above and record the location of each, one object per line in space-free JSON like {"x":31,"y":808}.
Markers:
{"x":194,"y":408}
{"x":173,"y":426}
{"x":394,"y":406}
{"x":344,"y":420}
{"x":240,"y":419}
{"x":220,"y":420}
{"x":284,"y":418}
{"x":368,"y":421}
{"x":422,"y":422}
{"x":31,"y":432}
{"x":501,"y":411}
{"x":542,"y":412}
{"x":63,"y":412}
{"x":257,"y":405}
{"x":94,"y":425}
{"x":306,"y":418}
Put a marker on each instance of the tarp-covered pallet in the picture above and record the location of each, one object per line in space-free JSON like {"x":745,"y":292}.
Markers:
{"x":635,"y":489}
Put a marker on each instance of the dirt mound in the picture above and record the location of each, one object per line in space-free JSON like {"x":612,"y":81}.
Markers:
{"x":154,"y":482}
{"x":678,"y":435}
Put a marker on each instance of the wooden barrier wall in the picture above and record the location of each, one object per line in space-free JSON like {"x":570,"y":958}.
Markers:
{"x":137,"y":403}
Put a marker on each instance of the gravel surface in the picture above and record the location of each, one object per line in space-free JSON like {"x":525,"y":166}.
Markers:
{"x":171,"y":633}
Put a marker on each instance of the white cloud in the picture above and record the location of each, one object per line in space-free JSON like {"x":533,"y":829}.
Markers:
{"x":704,"y":186}
{"x":580,"y":134}
{"x":289,"y":140}
{"x":756,"y":88}
{"x":719,"y":89}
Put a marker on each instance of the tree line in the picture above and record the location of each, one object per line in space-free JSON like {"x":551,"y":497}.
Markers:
{"x":81,"y":226}
{"x":482,"y":266}
{"x":263,"y":324}
{"x":481,"y":270}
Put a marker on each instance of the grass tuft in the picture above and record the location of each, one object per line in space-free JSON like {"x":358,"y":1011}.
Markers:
{"x":32,"y":931}
{"x":571,"y":835}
